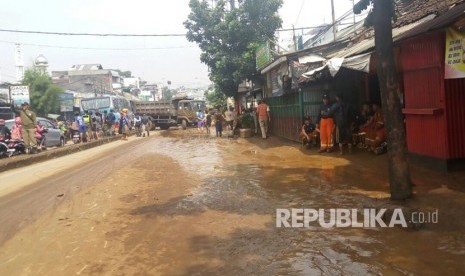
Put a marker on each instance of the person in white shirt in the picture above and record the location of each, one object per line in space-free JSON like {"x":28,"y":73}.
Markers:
{"x":230,"y":117}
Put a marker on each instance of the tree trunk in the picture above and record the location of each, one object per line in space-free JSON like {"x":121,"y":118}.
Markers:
{"x":399,"y":175}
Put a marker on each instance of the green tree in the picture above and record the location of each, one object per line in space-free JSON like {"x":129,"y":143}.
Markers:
{"x":167,"y":93}
{"x":381,"y":17}
{"x":45,"y":96}
{"x":124,"y":74}
{"x":216,"y":99}
{"x":228,"y":37}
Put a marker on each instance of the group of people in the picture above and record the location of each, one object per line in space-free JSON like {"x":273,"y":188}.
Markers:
{"x":339,"y":122}
{"x":93,"y":125}
{"x":208,"y":118}
{"x":229,"y":119}
{"x":26,"y":129}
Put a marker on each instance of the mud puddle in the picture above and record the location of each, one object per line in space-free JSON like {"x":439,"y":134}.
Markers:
{"x":193,"y":205}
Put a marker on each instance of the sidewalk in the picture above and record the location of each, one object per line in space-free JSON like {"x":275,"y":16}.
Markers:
{"x":28,"y":159}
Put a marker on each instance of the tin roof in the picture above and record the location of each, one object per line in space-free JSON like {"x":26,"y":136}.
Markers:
{"x":414,"y":10}
{"x":446,"y":19}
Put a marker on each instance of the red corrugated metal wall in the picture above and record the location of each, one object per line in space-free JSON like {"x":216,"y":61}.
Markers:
{"x":423,"y":69}
{"x":455,"y":112}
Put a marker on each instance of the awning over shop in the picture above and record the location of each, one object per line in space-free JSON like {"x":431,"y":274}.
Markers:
{"x":311,"y":58}
{"x":359,"y":63}
{"x":357,"y":56}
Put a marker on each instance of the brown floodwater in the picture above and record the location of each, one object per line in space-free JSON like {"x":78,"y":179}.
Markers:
{"x":256,"y":177}
{"x":184,"y":203}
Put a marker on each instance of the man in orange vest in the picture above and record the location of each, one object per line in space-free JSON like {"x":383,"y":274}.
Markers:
{"x":263,"y":112}
{"x":326,"y":126}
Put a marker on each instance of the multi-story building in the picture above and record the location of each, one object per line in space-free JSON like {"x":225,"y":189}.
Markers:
{"x":89,"y":78}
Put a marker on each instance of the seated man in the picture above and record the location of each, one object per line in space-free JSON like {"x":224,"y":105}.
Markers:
{"x":308,"y":133}
{"x":360,"y":125}
{"x":375,"y":133}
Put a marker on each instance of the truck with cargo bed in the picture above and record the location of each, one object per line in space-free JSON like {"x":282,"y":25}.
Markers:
{"x":178,"y":111}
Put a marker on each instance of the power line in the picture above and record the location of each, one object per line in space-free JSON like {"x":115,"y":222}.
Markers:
{"x":90,"y":34}
{"x":300,"y":11}
{"x":103,"y":49}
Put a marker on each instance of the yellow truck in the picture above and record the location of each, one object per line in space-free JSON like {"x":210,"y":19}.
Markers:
{"x":178,"y":111}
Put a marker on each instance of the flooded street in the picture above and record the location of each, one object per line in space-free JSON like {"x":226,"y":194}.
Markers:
{"x":181,"y":203}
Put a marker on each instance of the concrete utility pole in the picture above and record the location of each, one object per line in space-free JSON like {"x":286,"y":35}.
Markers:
{"x":353,"y":5}
{"x":334,"y":19}
{"x":294,"y":38}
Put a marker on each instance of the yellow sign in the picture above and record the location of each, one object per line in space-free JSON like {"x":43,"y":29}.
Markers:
{"x":455,"y":57}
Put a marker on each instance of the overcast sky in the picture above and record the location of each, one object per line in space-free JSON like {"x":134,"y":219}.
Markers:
{"x":173,"y":58}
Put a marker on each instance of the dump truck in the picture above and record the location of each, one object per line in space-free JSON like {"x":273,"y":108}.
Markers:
{"x":178,"y":111}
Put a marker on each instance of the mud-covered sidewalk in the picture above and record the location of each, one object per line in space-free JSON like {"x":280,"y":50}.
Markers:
{"x":186,"y":204}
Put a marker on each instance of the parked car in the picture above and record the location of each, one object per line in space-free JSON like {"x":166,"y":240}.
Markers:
{"x":53,"y":136}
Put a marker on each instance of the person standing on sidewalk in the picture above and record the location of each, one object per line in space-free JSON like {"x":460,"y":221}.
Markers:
{"x":208,"y":120}
{"x":263,"y":117}
{"x":343,"y":116}
{"x":326,"y":126}
{"x":28,"y":119}
{"x":219,"y":119}
{"x":145,"y":125}
{"x":229,"y":117}
{"x":124,"y":126}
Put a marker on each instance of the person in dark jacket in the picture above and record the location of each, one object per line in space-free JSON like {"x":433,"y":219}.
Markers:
{"x":343,"y":116}
{"x":5,"y":132}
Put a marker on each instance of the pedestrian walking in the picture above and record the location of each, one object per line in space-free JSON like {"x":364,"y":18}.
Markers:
{"x":219,"y":119}
{"x":208,"y":120}
{"x":255,"y":121}
{"x":343,"y":117}
{"x":81,"y":126}
{"x":110,"y":119}
{"x":200,"y":120}
{"x":124,"y":126}
{"x":145,"y":125}
{"x":263,"y":112}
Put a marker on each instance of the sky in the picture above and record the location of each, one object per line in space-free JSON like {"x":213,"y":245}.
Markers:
{"x":154,"y":59}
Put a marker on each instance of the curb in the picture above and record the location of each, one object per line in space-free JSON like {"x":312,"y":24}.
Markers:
{"x":26,"y":160}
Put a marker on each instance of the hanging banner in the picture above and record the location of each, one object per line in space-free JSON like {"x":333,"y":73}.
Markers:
{"x":263,"y":55}
{"x":19,"y":94}
{"x":277,"y":78}
{"x":66,"y":102}
{"x":455,"y":57}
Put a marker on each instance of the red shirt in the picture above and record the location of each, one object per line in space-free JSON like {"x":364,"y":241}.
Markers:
{"x":262,"y":111}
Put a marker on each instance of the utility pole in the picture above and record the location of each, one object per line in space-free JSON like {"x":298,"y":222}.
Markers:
{"x":334,"y":19}
{"x":353,"y":5}
{"x":293,"y":38}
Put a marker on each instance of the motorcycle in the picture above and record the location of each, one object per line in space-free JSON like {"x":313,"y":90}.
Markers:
{"x":40,"y":137}
{"x":76,"y":138}
{"x":10,"y":147}
{"x":3,"y":149}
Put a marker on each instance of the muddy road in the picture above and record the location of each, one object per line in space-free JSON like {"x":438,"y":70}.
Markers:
{"x":181,"y":203}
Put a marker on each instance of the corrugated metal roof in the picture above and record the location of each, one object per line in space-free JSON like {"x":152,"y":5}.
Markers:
{"x":413,"y":10}
{"x":439,"y":22}
{"x":369,"y":43}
